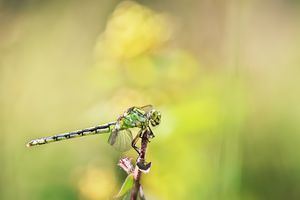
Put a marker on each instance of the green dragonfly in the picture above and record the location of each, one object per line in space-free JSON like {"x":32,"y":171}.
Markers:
{"x":120,"y":134}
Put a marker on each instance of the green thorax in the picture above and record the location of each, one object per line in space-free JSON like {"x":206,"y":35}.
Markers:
{"x":134,"y":118}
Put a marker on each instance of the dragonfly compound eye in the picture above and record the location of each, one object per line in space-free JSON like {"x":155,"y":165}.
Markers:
{"x":155,"y":118}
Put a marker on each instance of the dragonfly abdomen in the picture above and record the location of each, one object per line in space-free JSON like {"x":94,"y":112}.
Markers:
{"x":106,"y":128}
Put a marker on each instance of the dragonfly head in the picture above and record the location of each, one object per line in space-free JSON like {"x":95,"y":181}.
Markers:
{"x":154,"y":117}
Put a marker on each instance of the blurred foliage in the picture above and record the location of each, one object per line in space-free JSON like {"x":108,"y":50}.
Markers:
{"x":92,"y":180}
{"x":126,"y":186}
{"x":223,"y":74}
{"x":132,"y":30}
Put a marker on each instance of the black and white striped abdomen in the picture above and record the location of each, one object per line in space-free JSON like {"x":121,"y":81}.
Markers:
{"x":105,"y":128}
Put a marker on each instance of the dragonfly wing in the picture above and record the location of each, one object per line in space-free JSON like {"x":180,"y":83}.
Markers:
{"x":121,"y":140}
{"x":113,"y":136}
{"x":146,"y":108}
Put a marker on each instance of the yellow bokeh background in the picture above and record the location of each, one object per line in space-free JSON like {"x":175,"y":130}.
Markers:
{"x":224,"y":75}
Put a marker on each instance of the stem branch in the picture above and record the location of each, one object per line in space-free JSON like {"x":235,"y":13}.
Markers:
{"x":141,"y":159}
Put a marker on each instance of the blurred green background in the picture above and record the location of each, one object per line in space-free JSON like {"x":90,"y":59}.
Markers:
{"x":224,"y":74}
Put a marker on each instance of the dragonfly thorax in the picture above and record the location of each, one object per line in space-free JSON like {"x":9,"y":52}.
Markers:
{"x":134,"y":119}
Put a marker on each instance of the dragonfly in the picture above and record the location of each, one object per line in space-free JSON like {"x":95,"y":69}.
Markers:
{"x":121,"y":136}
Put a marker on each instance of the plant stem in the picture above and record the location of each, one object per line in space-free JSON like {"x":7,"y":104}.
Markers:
{"x":141,"y":158}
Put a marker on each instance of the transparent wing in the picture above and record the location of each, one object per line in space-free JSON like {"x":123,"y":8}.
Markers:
{"x":112,"y":137}
{"x":146,"y":108}
{"x":121,"y":140}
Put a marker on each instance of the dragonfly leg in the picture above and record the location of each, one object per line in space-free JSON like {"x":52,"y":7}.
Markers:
{"x":151,"y":133}
{"x":135,"y":140}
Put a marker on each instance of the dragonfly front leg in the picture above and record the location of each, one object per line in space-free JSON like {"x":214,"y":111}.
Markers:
{"x":135,"y":140}
{"x":151,"y":133}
